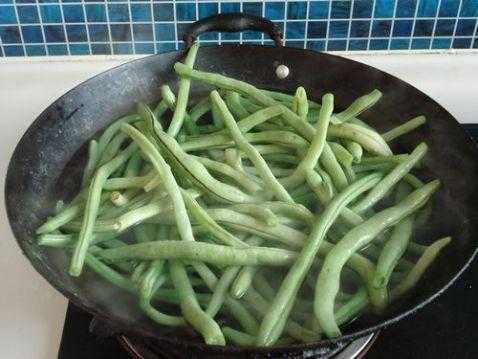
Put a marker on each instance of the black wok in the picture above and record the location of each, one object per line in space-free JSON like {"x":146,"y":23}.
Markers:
{"x":47,"y":162}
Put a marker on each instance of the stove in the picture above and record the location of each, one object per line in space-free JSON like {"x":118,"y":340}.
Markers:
{"x":446,"y":328}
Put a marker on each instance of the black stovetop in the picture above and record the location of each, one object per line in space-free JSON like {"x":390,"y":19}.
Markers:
{"x":447,"y":328}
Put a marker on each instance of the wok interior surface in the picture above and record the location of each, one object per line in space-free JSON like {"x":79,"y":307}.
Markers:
{"x":48,"y":161}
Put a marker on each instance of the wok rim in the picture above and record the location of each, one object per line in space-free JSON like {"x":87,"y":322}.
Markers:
{"x":122,"y":324}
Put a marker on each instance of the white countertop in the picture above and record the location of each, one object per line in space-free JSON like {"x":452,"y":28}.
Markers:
{"x":32,"y":312}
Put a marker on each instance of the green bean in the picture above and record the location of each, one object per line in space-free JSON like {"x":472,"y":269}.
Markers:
{"x":183,"y":94}
{"x":206,"y":221}
{"x":251,"y":152}
{"x":391,"y":253}
{"x":377,"y":193}
{"x":138,"y":272}
{"x":238,"y":338}
{"x":113,"y":184}
{"x":283,"y":138}
{"x":91,"y":163}
{"x":163,"y":169}
{"x":235,"y":307}
{"x":263,"y":214}
{"x":282,"y":303}
{"x":220,"y":290}
{"x":109,"y":274}
{"x":355,"y":149}
{"x":368,"y":139}
{"x":112,"y":130}
{"x":133,"y":203}
{"x":329,"y":276}
{"x":216,"y":116}
{"x":92,"y":206}
{"x":244,"y":278}
{"x":197,"y":173}
{"x":199,"y":110}
{"x":280,"y":96}
{"x":238,"y":176}
{"x":376,"y":167}
{"x":332,"y":168}
{"x":395,"y":159}
{"x":249,"y":105}
{"x":139,"y":215}
{"x":112,"y":149}
{"x":168,"y":96}
{"x":358,"y":106}
{"x":314,"y":152}
{"x":276,"y":171}
{"x":300,"y":105}
{"x":253,"y":226}
{"x":319,"y":186}
{"x":191,"y":309}
{"x":420,"y":267}
{"x":59,"y":240}
{"x":281,"y":158}
{"x":404,"y":128}
{"x":146,"y":290}
{"x":256,"y":301}
{"x":352,"y":307}
{"x":416,"y":248}
{"x":292,"y":210}
{"x":142,"y":233}
{"x":118,"y":199}
{"x":206,"y":252}
{"x":304,"y":128}
{"x":233,"y":101}
{"x":344,"y":157}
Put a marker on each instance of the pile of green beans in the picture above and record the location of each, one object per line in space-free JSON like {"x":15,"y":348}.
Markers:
{"x":260,"y":218}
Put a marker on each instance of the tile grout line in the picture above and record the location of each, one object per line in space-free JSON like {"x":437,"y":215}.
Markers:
{"x":413,"y":24}
{"x":176,"y":42}
{"x":42,"y":28}
{"x":87,"y":27}
{"x":306,"y":29}
{"x":151,"y":9}
{"x":20,"y":29}
{"x":288,"y":20}
{"x":131,"y":28}
{"x":456,"y":24}
{"x":197,"y":15}
{"x":372,"y":16}
{"x":263,"y":13}
{"x":108,"y":25}
{"x":435,"y":23}
{"x":63,"y":25}
{"x":393,"y":24}
{"x":474,"y":35}
{"x":326,"y":46}
{"x":241,"y":9}
{"x":235,"y":41}
{"x":352,"y":4}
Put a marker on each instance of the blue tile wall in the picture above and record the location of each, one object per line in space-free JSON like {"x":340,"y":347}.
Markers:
{"x":99,"y":27}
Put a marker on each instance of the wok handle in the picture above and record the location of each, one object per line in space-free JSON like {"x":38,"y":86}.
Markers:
{"x":232,"y":22}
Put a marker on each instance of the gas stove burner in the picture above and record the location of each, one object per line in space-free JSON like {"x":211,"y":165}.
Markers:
{"x":141,"y":349}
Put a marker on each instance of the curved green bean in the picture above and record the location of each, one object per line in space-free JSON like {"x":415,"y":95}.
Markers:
{"x":329,"y":277}
{"x":183,"y":94}
{"x":404,"y":128}
{"x":282,"y":303}
{"x":377,"y":193}
{"x":254,"y":156}
{"x":92,"y":208}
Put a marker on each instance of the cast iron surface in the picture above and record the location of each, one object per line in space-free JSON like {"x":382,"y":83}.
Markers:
{"x":47,"y":162}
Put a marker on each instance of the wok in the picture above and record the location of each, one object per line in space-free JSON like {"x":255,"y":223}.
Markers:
{"x":47,"y":162}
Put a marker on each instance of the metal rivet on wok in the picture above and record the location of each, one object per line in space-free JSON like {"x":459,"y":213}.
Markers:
{"x":282,"y":71}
